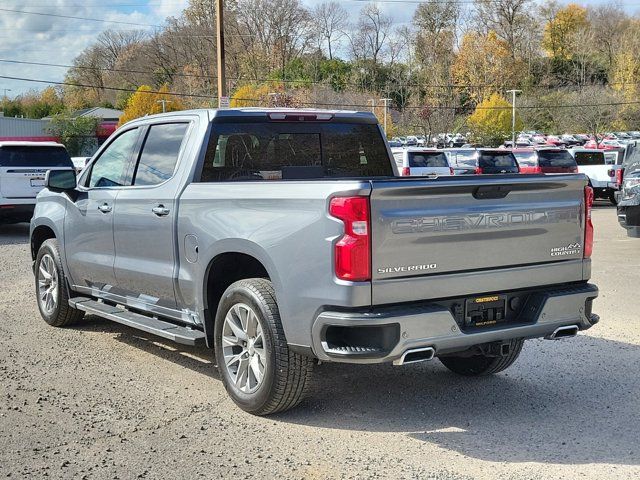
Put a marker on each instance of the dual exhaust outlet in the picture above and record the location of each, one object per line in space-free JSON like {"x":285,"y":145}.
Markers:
{"x":423,"y":354}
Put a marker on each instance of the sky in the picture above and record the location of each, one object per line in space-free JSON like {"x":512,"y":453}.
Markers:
{"x":59,"y":39}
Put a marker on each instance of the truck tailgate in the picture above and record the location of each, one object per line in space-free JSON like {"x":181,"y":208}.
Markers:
{"x":468,"y":224}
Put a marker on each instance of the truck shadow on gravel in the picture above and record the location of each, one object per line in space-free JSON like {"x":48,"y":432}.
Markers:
{"x":572,"y":401}
{"x":198,"y":359}
{"x":567,"y":402}
{"x":14,"y":234}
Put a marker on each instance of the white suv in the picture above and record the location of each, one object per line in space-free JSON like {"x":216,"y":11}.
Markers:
{"x":23,"y":166}
{"x":419,"y":161}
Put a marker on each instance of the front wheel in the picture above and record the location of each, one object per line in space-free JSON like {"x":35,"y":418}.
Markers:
{"x":258,"y":370}
{"x":51,"y":287}
{"x":478,"y":365}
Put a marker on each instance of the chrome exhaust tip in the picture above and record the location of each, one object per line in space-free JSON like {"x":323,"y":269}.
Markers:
{"x":567,"y":331}
{"x":415,"y":355}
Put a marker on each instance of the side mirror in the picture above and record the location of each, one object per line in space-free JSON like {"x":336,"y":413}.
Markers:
{"x":60,"y":180}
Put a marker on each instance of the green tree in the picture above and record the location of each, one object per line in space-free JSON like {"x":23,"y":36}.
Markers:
{"x":77,"y":134}
{"x":490,"y":123}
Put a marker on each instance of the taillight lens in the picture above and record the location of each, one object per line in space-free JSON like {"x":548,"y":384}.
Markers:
{"x":353,"y":251}
{"x":619,"y":176}
{"x":537,"y":170}
{"x":406,"y":172}
{"x":588,"y":225}
{"x":478,"y":171}
{"x":451,"y":172}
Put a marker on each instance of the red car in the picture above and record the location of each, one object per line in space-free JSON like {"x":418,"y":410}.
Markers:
{"x":545,"y":160}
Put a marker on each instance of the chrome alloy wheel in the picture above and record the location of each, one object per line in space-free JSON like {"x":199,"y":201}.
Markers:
{"x":243,"y":348}
{"x":47,"y":284}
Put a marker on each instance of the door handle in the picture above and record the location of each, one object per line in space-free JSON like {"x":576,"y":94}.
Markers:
{"x":105,"y":208}
{"x":160,"y":210}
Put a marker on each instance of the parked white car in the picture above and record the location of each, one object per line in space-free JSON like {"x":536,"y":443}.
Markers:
{"x":418,"y":161}
{"x":23,"y":166}
{"x":601,"y":171}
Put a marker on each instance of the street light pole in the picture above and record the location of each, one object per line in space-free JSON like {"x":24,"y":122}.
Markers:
{"x":222,"y":84}
{"x":513,"y":116}
{"x":386,"y":106}
{"x":164,"y":104}
{"x":5,"y":92}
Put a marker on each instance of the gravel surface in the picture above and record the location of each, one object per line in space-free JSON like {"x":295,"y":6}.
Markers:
{"x":100,"y":400}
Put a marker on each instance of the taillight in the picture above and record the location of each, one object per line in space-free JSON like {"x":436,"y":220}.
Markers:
{"x":588,"y":225}
{"x":478,"y":171}
{"x":537,"y":169}
{"x":619,"y":176}
{"x":451,"y":172}
{"x":406,"y":172}
{"x":353,"y":251}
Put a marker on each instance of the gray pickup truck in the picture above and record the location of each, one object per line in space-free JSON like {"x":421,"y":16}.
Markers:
{"x":281,"y":238}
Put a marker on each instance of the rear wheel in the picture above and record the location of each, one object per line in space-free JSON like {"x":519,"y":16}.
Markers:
{"x":51,"y":287}
{"x":258,"y":370}
{"x":612,"y":198}
{"x":478,"y":365}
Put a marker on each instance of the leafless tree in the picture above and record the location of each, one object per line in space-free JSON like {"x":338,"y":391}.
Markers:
{"x":370,"y":35}
{"x":330,"y":22}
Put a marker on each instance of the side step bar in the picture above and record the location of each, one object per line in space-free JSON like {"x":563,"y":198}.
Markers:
{"x":170,"y":331}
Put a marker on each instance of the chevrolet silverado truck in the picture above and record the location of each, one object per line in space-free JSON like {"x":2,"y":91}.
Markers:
{"x":283,"y":238}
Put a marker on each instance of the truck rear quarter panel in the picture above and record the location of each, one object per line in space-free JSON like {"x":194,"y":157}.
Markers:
{"x":285,"y":226}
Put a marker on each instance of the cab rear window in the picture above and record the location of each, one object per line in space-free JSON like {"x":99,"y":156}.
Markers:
{"x":38,"y":157}
{"x":295,"y":150}
{"x":427,"y":159}
{"x":589,"y":158}
{"x":497,"y":159}
{"x":560,"y":158}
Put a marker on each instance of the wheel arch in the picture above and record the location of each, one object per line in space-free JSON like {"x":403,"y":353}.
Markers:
{"x":225,"y":268}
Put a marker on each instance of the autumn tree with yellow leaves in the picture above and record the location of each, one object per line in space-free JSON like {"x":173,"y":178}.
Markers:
{"x":562,"y":33}
{"x":490,"y":123}
{"x":146,"y":101}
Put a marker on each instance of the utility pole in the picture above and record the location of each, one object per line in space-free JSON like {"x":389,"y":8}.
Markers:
{"x":513,"y":116}
{"x":164,"y":104}
{"x":373,"y":105}
{"x":386,"y":107}
{"x":5,"y":92}
{"x":222,"y":84}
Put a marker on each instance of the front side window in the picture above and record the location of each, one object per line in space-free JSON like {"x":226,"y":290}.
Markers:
{"x":111,"y":169}
{"x":294,"y":150}
{"x":159,"y":153}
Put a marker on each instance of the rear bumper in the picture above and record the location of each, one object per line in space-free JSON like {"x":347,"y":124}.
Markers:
{"x":401,"y":328}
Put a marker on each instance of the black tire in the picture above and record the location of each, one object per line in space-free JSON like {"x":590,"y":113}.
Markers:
{"x":612,"y":198}
{"x":479,"y":365}
{"x":286,"y":374}
{"x":61,"y":314}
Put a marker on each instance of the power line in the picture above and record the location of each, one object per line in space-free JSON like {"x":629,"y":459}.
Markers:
{"x":316,"y":104}
{"x":79,"y":18}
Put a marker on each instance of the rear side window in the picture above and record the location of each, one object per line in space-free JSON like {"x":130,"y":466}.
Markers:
{"x":558,"y":158}
{"x":38,"y":157}
{"x":589,"y":158}
{"x":427,"y":159}
{"x":526,"y":159}
{"x":497,"y":159}
{"x":160,"y":153}
{"x":295,"y":150}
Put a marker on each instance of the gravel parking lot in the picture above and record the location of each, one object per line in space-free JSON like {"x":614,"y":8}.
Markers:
{"x":101,"y":400}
